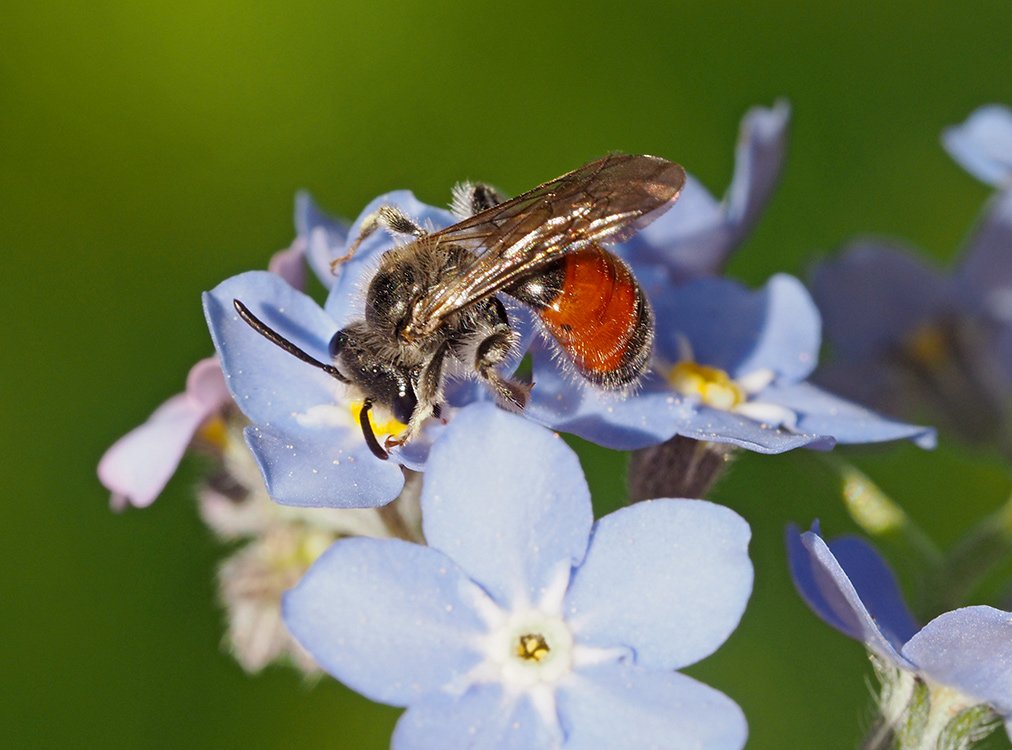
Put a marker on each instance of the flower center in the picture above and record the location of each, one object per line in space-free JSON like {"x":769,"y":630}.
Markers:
{"x":927,"y":345}
{"x":214,"y":432}
{"x":532,"y":647}
{"x":380,"y":426}
{"x":713,"y":386}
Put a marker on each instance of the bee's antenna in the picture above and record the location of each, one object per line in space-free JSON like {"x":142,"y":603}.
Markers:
{"x":277,"y":339}
{"x":370,"y":436}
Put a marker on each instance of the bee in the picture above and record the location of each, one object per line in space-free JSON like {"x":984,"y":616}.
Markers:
{"x":432,"y":309}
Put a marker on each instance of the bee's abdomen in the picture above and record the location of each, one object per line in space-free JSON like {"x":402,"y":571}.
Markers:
{"x":597,"y":312}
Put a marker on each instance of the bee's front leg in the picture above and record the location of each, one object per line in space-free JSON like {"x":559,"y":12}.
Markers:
{"x":388,"y":217}
{"x":429,"y":393}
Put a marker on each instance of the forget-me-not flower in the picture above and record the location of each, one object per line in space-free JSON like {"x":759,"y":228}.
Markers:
{"x":731,"y":368}
{"x":964,"y":656}
{"x":697,"y":236}
{"x":524,"y":624}
{"x":322,"y":236}
{"x":305,"y":431}
{"x":904,"y":334}
{"x":136,"y":468}
{"x":982,"y":144}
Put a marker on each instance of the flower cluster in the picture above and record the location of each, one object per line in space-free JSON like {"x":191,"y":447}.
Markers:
{"x":905,"y":334}
{"x":434,"y":551}
{"x":961,"y":659}
{"x":522,"y":622}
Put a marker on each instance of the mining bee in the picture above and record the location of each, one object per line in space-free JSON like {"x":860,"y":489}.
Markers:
{"x":432,"y":308}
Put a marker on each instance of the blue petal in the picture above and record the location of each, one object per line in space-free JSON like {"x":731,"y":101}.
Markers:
{"x":391,"y":620}
{"x":984,"y":276}
{"x":270,"y":385}
{"x":651,"y":415}
{"x":740,"y":331}
{"x":346,"y":301}
{"x":718,"y":426}
{"x":327,"y":468}
{"x":969,"y":649}
{"x":696,"y":237}
{"x":622,"y":706}
{"x":982,"y":144}
{"x":825,"y":414}
{"x":325,"y":236}
{"x":668,"y":579}
{"x":759,"y":159}
{"x":561,"y":400}
{"x":481,"y":719}
{"x":506,"y":499}
{"x":873,"y":295}
{"x":825,"y":587}
{"x":867,"y":381}
{"x":689,"y":240}
{"x":875,"y":583}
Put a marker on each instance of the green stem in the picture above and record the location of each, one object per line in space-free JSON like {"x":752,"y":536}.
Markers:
{"x":987,"y":545}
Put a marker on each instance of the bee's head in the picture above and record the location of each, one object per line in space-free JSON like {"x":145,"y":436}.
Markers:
{"x":385,"y":384}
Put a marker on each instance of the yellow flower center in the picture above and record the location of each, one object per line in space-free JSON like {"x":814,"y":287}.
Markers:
{"x":927,"y":345}
{"x":215,"y":433}
{"x":388,"y":426}
{"x":713,"y":386}
{"x":532,"y":647}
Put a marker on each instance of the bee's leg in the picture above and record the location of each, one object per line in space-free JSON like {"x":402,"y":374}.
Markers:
{"x":390,"y":218}
{"x":429,"y":392}
{"x":470,"y":198}
{"x":511,"y":394}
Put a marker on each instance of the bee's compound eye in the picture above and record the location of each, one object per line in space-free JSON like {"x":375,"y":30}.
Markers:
{"x":337,"y":342}
{"x":404,"y":404}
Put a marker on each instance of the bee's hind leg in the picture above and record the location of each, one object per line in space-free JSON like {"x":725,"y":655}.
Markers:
{"x":470,"y":198}
{"x":388,"y":217}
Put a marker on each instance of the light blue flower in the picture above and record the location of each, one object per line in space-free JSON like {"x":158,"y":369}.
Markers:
{"x":698,"y":234}
{"x":305,"y":432}
{"x":982,"y":144}
{"x":903,"y":333}
{"x":524,"y":624}
{"x":732,"y":368}
{"x":322,"y":236}
{"x":849,"y":586}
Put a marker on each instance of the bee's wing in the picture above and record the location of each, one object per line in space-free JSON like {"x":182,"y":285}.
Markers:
{"x":605,"y":201}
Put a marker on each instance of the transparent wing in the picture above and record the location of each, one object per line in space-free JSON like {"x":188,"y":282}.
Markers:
{"x":605,"y":201}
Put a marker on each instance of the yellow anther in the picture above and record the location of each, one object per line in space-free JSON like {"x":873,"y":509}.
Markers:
{"x":713,"y":386}
{"x":927,"y":345}
{"x":214,"y":432}
{"x":532,"y":647}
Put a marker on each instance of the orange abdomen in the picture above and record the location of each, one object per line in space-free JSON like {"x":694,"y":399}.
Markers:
{"x":600,"y":317}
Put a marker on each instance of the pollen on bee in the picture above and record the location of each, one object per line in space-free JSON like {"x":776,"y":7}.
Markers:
{"x":388,"y":426}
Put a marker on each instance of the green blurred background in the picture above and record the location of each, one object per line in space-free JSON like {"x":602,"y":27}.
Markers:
{"x":151,"y":149}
